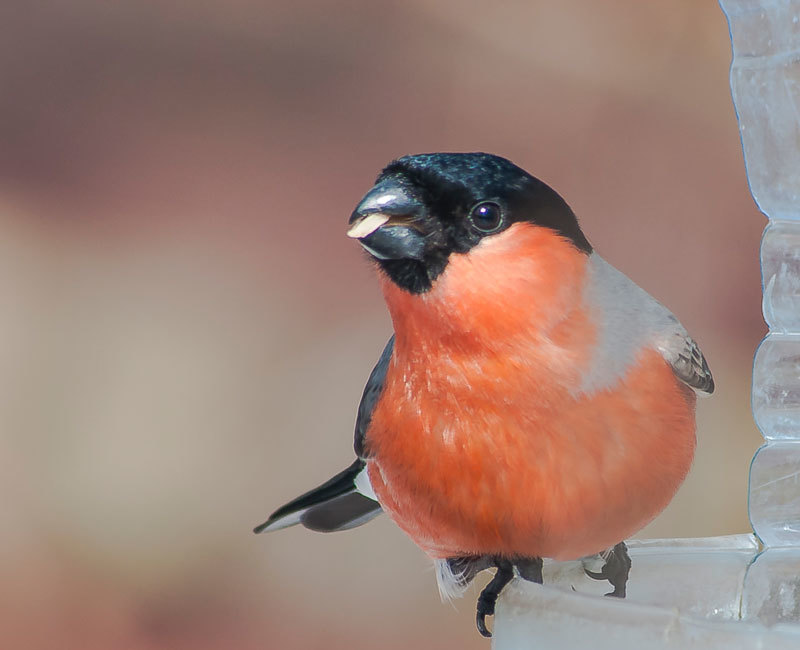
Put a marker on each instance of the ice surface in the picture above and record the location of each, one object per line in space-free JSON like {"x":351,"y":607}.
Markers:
{"x":682,"y":594}
{"x":772,"y":587}
{"x":765,"y":81}
{"x":775,"y":493}
{"x":776,"y":387}
{"x":709,"y":571}
{"x":535,"y":617}
{"x":780,"y":271}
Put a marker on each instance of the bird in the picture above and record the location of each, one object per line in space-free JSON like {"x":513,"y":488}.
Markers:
{"x":532,"y":402}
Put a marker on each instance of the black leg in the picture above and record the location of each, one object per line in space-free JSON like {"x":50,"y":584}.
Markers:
{"x":530,"y":569}
{"x":488,"y":598}
{"x":615,"y":570}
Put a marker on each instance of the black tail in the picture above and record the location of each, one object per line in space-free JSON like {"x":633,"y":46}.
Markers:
{"x":337,"y":504}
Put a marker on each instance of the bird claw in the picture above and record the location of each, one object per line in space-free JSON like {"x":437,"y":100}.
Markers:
{"x":480,"y":621}
{"x":488,"y":598}
{"x":615,"y":570}
{"x":597,"y":575}
{"x":486,"y":604}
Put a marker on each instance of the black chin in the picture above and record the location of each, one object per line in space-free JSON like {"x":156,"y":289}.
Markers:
{"x":413,"y":276}
{"x":410,"y":275}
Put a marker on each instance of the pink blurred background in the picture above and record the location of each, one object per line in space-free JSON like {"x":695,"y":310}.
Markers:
{"x":185,"y":330}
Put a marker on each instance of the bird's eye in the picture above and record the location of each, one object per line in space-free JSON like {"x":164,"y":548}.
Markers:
{"x":486,"y":216}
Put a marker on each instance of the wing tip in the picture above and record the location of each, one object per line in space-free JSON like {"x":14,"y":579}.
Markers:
{"x":281,"y":518}
{"x":269,"y":525}
{"x":265,"y":527}
{"x":706,"y":387}
{"x":352,"y":480}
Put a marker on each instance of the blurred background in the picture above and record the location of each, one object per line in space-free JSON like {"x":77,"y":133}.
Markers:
{"x":185,"y":330}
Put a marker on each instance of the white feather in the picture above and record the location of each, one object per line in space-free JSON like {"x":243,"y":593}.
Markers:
{"x":363,"y":486}
{"x":284,"y":522}
{"x":451,"y":585}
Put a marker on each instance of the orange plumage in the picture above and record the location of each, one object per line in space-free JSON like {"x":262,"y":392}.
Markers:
{"x":478,"y":444}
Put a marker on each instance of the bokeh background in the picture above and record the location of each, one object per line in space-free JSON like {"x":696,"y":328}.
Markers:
{"x":185,"y":330}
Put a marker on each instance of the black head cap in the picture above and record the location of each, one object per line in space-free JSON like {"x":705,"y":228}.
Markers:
{"x":460,"y":198}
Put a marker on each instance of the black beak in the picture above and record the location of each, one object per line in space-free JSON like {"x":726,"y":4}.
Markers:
{"x":386,"y":223}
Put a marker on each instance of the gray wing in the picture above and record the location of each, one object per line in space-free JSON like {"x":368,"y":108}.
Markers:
{"x":629,"y":318}
{"x":370,"y":397}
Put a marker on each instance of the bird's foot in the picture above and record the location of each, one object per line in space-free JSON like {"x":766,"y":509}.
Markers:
{"x":488,"y":598}
{"x":616,"y":569}
{"x":530,"y":569}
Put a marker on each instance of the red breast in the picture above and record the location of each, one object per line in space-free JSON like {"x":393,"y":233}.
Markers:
{"x":480,"y":443}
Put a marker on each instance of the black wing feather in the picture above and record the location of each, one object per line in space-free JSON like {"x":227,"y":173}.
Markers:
{"x":342,"y":513}
{"x":372,"y":393}
{"x":334,"y":505}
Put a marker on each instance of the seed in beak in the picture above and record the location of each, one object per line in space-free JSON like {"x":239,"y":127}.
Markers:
{"x":367,"y":225}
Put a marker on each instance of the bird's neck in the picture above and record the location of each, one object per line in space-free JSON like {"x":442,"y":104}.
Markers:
{"x":524,"y":283}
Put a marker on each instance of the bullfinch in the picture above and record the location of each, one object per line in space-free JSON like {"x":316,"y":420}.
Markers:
{"x":533,"y":402}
